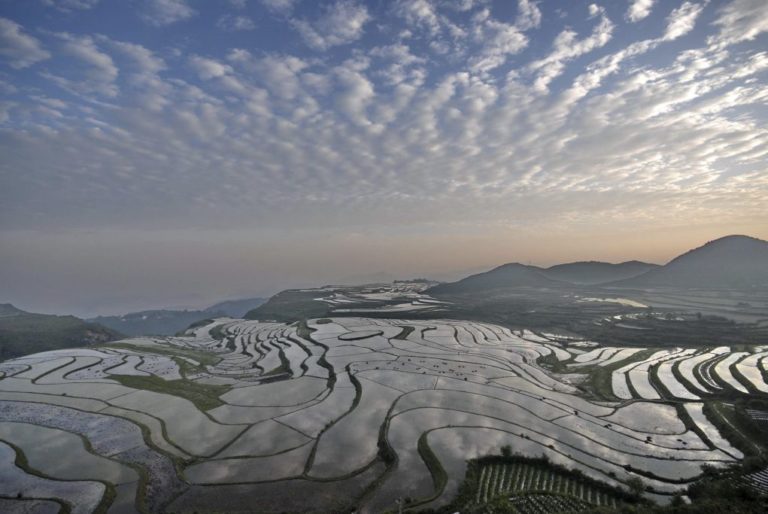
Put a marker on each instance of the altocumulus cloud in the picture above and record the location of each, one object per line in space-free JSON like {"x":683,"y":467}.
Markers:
{"x":411,"y":113}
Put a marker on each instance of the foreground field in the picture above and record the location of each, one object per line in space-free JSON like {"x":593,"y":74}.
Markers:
{"x":343,"y":413}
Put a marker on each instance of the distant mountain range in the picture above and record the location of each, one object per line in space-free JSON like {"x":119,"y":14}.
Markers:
{"x":169,"y":322}
{"x":593,"y":272}
{"x":506,"y":275}
{"x":22,"y":332}
{"x":731,"y":262}
{"x":735,"y":262}
{"x":561,"y":275}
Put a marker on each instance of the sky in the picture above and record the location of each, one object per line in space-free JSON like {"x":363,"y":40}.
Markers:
{"x":176,"y":152}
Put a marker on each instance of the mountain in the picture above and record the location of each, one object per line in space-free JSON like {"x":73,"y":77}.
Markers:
{"x":6,"y":309}
{"x":507,"y":275}
{"x":731,"y":262}
{"x":235,"y":308}
{"x":23,"y":333}
{"x":593,"y":272}
{"x":161,"y":322}
{"x":166,"y":322}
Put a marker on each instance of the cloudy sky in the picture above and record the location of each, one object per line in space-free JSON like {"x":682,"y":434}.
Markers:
{"x":172,"y":152}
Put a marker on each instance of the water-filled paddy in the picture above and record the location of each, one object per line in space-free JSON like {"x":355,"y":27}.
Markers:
{"x":272,"y":403}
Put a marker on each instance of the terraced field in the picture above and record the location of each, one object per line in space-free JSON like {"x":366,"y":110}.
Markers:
{"x":692,"y":374}
{"x":339,"y":413}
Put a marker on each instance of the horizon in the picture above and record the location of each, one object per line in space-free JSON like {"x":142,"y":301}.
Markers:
{"x":148,"y":303}
{"x":172,"y":153}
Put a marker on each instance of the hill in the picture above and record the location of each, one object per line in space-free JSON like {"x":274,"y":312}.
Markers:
{"x":167,"y":322}
{"x":235,"y":308}
{"x":23,"y":333}
{"x":731,"y":262}
{"x":160,"y":322}
{"x":507,"y":275}
{"x":594,"y":272}
{"x":7,"y":309}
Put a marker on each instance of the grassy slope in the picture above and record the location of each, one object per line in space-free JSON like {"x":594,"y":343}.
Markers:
{"x":27,"y":333}
{"x":289,"y":306}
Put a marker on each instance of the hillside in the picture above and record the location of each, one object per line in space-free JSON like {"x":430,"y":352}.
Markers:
{"x":166,"y":322}
{"x":235,"y":308}
{"x":507,"y":275}
{"x":23,"y":333}
{"x":7,"y":309}
{"x":731,"y":262}
{"x":594,"y":272}
{"x":154,"y":322}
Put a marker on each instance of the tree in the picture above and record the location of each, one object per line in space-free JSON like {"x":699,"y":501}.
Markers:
{"x":636,"y":486}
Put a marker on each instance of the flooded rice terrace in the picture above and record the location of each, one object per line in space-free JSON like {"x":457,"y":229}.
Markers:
{"x":337,"y":413}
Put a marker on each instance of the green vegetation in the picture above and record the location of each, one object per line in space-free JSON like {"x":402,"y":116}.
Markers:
{"x":204,"y":358}
{"x":303,"y":331}
{"x":734,"y":424}
{"x":439,"y":476}
{"x":198,"y":324}
{"x":404,"y":333}
{"x":599,"y":384}
{"x":204,"y":396}
{"x":552,"y":363}
{"x":23,"y":333}
{"x":23,"y":464}
{"x":218,"y":332}
{"x":514,"y":483}
{"x":278,"y":370}
{"x":289,"y":306}
{"x":154,"y":322}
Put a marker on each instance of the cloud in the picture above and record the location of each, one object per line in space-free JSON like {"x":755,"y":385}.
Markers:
{"x":682,"y":20}
{"x":419,"y":13}
{"x":166,"y":12}
{"x":341,"y":23}
{"x":400,"y":62}
{"x":208,"y":68}
{"x":143,"y":58}
{"x":232,"y":23}
{"x":143,"y":70}
{"x":528,"y":15}
{"x":389,"y":137}
{"x":465,"y":5}
{"x":355,"y":94}
{"x":84,"y":48}
{"x":740,"y":20}
{"x":71,"y":5}
{"x":280,"y":74}
{"x":21,"y":50}
{"x":639,"y":10}
{"x":498,"y":40}
{"x":567,"y":47}
{"x":98,"y":72}
{"x":279,"y":6}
